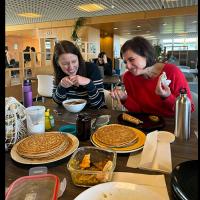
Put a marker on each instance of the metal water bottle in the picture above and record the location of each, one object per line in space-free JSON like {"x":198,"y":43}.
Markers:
{"x":182,"y":117}
{"x":27,"y":93}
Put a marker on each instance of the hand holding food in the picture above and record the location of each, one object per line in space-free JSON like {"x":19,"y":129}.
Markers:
{"x":118,"y":94}
{"x":66,"y":82}
{"x":79,"y":80}
{"x":162,"y":89}
{"x":164,"y":79}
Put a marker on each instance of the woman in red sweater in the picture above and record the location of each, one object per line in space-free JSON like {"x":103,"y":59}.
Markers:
{"x":146,"y":91}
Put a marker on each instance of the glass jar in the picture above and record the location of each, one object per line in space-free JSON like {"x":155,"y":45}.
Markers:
{"x":83,"y":126}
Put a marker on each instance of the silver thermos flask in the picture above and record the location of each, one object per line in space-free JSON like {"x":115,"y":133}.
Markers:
{"x":182,"y":116}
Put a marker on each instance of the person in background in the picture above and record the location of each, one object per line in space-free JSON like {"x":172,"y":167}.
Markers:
{"x":104,"y":61}
{"x":27,"y":56}
{"x":146,"y":91}
{"x":7,"y":57}
{"x":75,"y":78}
{"x":33,"y":50}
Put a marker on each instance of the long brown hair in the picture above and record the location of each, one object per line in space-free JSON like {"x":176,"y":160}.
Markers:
{"x":60,"y":48}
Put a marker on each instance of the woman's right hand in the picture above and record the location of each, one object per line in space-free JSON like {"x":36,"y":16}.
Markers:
{"x":65,"y":82}
{"x":118,"y":94}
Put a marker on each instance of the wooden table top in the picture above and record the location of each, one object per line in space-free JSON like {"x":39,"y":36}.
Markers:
{"x":181,"y":151}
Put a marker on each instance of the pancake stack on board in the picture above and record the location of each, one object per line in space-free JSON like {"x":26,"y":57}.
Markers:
{"x":44,"y":146}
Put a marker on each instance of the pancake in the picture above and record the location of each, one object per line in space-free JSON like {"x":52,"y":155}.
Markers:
{"x":43,"y":145}
{"x":115,"y":135}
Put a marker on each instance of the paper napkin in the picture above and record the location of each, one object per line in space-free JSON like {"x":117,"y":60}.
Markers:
{"x":155,"y":183}
{"x":156,"y":154}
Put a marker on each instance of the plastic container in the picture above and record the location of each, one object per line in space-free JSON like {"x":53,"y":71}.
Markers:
{"x":89,"y":177}
{"x":45,"y":187}
{"x":49,"y":120}
{"x":35,"y":118}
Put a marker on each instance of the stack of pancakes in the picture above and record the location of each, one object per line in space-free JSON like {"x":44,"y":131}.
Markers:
{"x":44,"y":146}
{"x":115,"y":135}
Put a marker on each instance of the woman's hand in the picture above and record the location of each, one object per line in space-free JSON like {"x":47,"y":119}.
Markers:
{"x":118,"y":94}
{"x":105,"y":59}
{"x":79,"y":80}
{"x":66,"y":82}
{"x":162,"y":89}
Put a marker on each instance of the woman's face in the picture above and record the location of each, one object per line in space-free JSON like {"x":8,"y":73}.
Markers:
{"x":69,"y":63}
{"x":134,"y":62}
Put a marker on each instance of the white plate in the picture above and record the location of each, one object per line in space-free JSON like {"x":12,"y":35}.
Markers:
{"x":165,"y":136}
{"x":15,"y":156}
{"x":119,"y":191}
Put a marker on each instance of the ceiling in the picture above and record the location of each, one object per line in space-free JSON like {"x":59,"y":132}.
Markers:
{"x":54,"y":10}
{"x":158,"y":27}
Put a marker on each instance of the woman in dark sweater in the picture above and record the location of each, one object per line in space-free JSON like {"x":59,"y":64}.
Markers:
{"x":75,"y":78}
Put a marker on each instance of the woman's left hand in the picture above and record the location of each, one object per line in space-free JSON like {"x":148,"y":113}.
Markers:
{"x":79,"y":80}
{"x":162,"y":89}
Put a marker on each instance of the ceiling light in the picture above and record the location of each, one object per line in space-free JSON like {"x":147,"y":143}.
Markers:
{"x":30,"y":15}
{"x":92,"y":7}
{"x":164,"y":24}
{"x":128,"y":33}
{"x":138,"y":26}
{"x":148,"y":31}
{"x":112,"y":6}
{"x":115,"y":28}
{"x":194,"y":22}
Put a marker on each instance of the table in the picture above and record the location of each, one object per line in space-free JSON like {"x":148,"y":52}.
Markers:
{"x":181,"y":151}
{"x":112,"y":80}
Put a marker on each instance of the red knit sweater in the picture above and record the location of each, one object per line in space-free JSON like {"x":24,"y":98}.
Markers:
{"x":142,"y":96}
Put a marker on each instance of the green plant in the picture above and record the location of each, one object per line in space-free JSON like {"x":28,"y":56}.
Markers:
{"x":158,"y":51}
{"x":78,"y":24}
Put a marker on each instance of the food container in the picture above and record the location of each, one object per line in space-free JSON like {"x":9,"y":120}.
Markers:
{"x":98,"y":172}
{"x":45,"y":187}
{"x":74,"y":105}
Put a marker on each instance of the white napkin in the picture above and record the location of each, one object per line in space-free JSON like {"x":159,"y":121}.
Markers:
{"x":156,"y":154}
{"x":155,"y":183}
{"x":134,"y":159}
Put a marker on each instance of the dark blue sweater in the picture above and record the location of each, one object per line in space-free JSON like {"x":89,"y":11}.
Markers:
{"x":92,"y":92}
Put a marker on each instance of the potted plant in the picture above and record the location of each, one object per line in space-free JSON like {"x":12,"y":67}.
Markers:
{"x":78,"y":24}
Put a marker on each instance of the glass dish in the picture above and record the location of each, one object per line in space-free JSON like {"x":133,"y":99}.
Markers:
{"x":91,"y":175}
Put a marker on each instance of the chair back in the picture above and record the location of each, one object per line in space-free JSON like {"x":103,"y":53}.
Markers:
{"x":45,"y":85}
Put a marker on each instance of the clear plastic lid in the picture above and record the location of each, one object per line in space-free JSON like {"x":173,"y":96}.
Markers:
{"x":44,"y":187}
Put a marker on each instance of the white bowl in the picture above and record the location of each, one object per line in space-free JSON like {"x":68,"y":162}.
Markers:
{"x":74,"y":107}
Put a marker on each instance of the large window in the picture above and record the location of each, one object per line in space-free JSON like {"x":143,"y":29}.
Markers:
{"x":180,"y":44}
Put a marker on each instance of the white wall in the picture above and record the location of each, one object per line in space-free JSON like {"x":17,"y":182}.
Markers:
{"x":94,"y":37}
